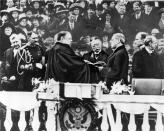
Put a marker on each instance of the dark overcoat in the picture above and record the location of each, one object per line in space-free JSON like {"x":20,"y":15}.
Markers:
{"x":117,"y":66}
{"x":145,"y":65}
{"x":65,"y":66}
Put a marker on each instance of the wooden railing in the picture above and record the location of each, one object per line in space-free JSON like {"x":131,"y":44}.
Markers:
{"x":131,"y":104}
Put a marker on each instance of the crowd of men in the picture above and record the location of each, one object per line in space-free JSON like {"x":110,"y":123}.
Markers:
{"x":79,"y":42}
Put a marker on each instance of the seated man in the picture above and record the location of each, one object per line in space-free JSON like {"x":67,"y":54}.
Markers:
{"x":64,"y":65}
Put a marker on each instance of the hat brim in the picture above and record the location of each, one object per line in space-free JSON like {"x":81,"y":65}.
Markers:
{"x":15,"y":10}
{"x":79,"y":7}
{"x":61,"y":12}
{"x":22,"y":19}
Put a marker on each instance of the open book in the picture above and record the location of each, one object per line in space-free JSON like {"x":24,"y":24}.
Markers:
{"x":98,"y":63}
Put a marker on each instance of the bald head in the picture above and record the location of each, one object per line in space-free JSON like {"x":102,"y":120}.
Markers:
{"x":64,"y":37}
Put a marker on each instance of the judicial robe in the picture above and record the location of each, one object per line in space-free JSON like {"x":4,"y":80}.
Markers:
{"x":65,"y":66}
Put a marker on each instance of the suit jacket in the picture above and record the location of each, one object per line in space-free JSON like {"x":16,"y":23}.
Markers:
{"x":117,"y":65}
{"x":146,"y":65}
{"x":102,"y":56}
{"x":10,"y":69}
{"x":9,"y":63}
{"x":76,"y":31}
{"x":137,"y":25}
{"x":121,"y":24}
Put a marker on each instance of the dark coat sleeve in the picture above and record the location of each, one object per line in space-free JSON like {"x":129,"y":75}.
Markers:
{"x":117,"y":66}
{"x":136,"y":65}
{"x":65,"y":66}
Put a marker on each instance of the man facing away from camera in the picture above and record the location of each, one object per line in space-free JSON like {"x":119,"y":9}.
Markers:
{"x":64,"y":65}
{"x":118,"y":61}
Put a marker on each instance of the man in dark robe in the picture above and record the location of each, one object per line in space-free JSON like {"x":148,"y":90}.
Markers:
{"x":64,"y":65}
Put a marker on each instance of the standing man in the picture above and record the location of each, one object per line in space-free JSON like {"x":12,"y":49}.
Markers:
{"x":146,"y":62}
{"x":64,"y":65}
{"x":161,"y":55}
{"x":118,"y":61}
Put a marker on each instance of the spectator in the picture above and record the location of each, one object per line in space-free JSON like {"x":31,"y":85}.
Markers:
{"x":108,"y":25}
{"x":90,"y":21}
{"x":137,"y":19}
{"x":22,"y":27}
{"x":22,"y":4}
{"x":14,"y":13}
{"x":161,"y":20}
{"x":36,"y":22}
{"x":121,"y":20}
{"x":75,"y":28}
{"x":37,"y":6}
{"x":4,"y":16}
{"x":9,"y":4}
{"x":6,"y":30}
{"x":106,"y":44}
{"x":59,"y":20}
{"x":150,"y":16}
{"x":77,"y":10}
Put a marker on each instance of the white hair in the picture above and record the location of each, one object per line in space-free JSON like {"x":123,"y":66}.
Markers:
{"x":96,"y":41}
{"x":139,"y":35}
{"x":119,"y":36}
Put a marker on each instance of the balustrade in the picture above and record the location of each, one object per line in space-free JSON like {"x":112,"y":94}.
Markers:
{"x":132,"y":104}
